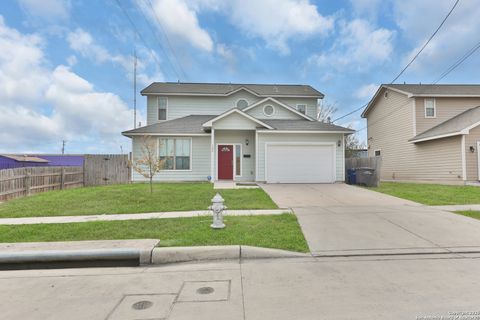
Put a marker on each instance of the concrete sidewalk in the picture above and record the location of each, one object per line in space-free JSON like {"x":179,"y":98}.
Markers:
{"x":135,"y":216}
{"x":458,"y":207}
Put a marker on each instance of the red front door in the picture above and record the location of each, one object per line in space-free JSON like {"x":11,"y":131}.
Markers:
{"x":225,"y":162}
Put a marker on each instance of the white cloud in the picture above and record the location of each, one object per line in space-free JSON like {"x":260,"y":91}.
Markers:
{"x":459,"y":34}
{"x":366,"y":8}
{"x":48,"y":9}
{"x":181,"y":21}
{"x":41,"y":106}
{"x":82,"y":42}
{"x":358,"y":45}
{"x":366,"y":91}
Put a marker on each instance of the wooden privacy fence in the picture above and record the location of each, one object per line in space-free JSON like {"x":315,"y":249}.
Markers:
{"x":101,"y":169}
{"x":370,"y":162}
{"x":19,"y":182}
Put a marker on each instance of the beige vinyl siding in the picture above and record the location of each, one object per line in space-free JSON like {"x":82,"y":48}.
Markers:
{"x":472,"y":158}
{"x":182,"y":106}
{"x":446,"y":108}
{"x":200,"y":162}
{"x":280,"y":112}
{"x":239,"y":137}
{"x":391,"y":126}
{"x":310,"y":102}
{"x":299,"y":137}
{"x":235,"y":121}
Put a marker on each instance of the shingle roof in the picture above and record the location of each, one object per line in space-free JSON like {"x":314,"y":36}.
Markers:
{"x":24,"y":158}
{"x":305,"y":125}
{"x":453,"y":126}
{"x":193,"y":125}
{"x":438,"y":89}
{"x":186,"y":125}
{"x":264,"y":90}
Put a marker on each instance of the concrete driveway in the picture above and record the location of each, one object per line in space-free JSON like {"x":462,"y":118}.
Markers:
{"x":338,"y":219}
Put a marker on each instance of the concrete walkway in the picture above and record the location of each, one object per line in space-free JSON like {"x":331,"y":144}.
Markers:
{"x":458,"y":207}
{"x":342,"y":220}
{"x":135,"y":216}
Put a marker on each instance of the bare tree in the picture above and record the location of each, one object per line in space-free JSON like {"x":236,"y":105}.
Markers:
{"x":326,"y":111}
{"x":149,"y":164}
{"x":353,"y":145}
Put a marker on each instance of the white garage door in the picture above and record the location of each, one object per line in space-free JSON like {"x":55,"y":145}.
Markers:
{"x":300,"y":163}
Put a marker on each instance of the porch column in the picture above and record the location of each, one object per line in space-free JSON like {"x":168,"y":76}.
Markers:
{"x":212,"y":155}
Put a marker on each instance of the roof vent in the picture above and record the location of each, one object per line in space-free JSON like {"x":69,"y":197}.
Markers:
{"x":230,"y":86}
{"x":275,"y":89}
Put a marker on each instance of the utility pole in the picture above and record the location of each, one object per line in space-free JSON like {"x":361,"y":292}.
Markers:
{"x":135,"y":89}
{"x":64,"y":142}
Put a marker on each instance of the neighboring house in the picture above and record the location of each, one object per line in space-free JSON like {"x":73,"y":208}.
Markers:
{"x":8,"y":161}
{"x":241,"y":132}
{"x":427,"y":133}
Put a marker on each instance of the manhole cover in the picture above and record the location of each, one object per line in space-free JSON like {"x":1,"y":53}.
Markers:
{"x":142,"y":305}
{"x":205,"y":290}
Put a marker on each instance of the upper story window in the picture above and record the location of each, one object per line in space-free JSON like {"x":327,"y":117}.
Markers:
{"x":268,"y":110}
{"x":162,"y":104}
{"x":242,"y":103}
{"x":430,"y":108}
{"x":302,"y":108}
{"x":176,"y":153}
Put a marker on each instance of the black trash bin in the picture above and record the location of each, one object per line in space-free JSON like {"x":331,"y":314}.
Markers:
{"x":351,"y":176}
{"x":366,"y":176}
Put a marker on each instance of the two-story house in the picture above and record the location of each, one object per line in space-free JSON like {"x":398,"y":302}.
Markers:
{"x":240,"y":132}
{"x":426,"y":133}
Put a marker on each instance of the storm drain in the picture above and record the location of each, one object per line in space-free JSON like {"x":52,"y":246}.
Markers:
{"x":143,"y":306}
{"x":205,"y":291}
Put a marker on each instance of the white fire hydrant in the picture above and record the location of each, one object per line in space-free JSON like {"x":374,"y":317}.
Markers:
{"x":217,"y":208}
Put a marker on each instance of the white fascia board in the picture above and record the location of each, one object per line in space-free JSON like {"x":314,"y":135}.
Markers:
{"x":169,"y":134}
{"x":303,"y":131}
{"x":209,"y":123}
{"x":370,"y":104}
{"x":439,"y":136}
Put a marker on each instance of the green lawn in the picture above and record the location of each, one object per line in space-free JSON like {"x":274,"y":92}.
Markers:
{"x":269,"y":231}
{"x":431,"y":194}
{"x":471,"y":214}
{"x":132,"y":198}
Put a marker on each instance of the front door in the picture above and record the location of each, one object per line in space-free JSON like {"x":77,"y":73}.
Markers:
{"x":225,"y":162}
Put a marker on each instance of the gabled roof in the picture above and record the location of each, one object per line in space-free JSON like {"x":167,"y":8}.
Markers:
{"x":24,"y":158}
{"x":427,"y":90}
{"x":302,"y":125}
{"x":191,"y":125}
{"x":280,"y":104}
{"x":210,"y":122}
{"x":225,"y":89}
{"x":458,"y":125}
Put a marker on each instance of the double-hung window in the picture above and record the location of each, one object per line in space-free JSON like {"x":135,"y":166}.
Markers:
{"x":162,"y":104}
{"x":302,"y":108}
{"x":175,"y":152}
{"x":430,"y":111}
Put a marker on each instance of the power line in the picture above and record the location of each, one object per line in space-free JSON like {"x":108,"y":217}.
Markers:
{"x":166,"y":37}
{"x":135,"y":29}
{"x":458,"y":62}
{"x":160,"y":44}
{"x":426,"y":43}
{"x":351,"y":112}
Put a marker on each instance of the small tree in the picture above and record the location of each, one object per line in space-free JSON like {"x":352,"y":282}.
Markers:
{"x":149,"y":164}
{"x":326,"y":111}
{"x":353,"y":145}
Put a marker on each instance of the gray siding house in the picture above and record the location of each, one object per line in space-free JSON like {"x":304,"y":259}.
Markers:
{"x":426,"y":133}
{"x":240,"y":132}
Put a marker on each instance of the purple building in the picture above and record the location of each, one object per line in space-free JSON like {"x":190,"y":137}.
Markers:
{"x":8,"y":161}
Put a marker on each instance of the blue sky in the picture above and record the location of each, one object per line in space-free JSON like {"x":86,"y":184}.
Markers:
{"x":66,"y":66}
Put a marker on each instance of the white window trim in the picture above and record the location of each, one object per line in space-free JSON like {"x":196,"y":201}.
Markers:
{"x":158,"y":108}
{"x":191,"y":153}
{"x":236,"y":102}
{"x":234,"y":162}
{"x":302,"y":104}
{"x":375,"y":151}
{"x":268,"y":115}
{"x":434,"y":108}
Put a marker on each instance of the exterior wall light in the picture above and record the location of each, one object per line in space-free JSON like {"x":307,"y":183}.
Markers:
{"x":247,"y":142}
{"x":339,"y":143}
{"x":472,"y":149}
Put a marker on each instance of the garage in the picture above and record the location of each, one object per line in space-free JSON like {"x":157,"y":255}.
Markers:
{"x":300,"y":163}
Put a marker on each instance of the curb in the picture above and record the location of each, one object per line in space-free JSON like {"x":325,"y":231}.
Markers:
{"x":189,"y":254}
